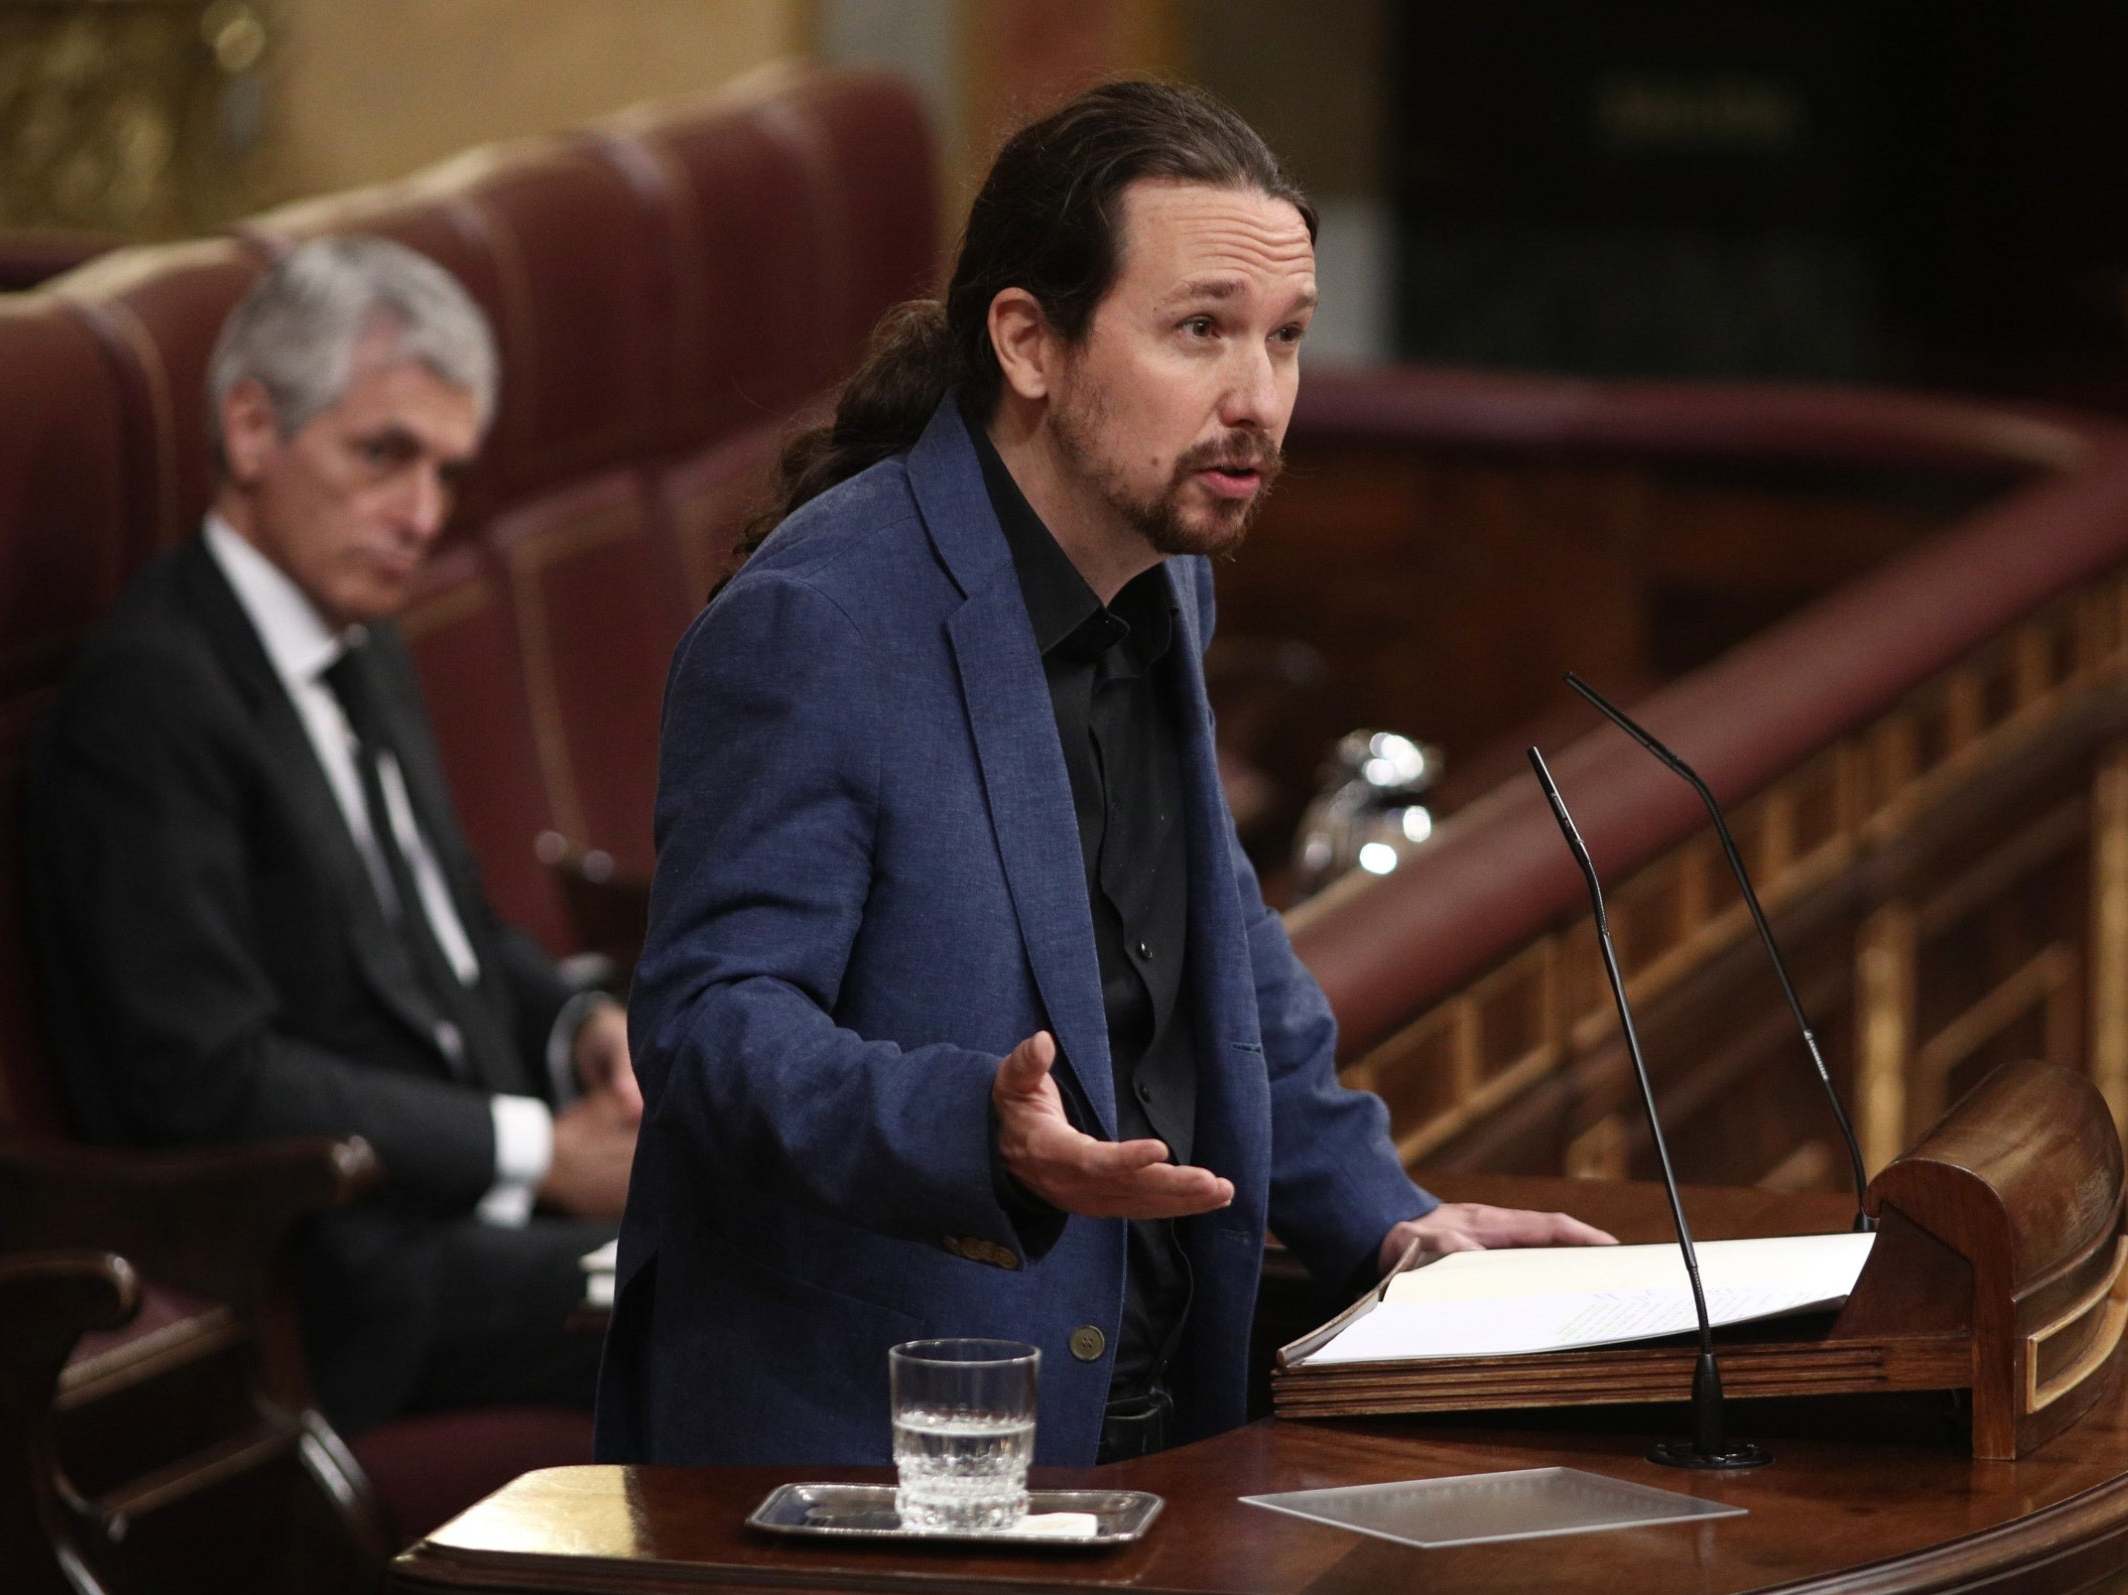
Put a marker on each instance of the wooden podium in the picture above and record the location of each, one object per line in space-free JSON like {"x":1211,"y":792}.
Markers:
{"x":2016,"y":1194}
{"x":1998,"y":1269}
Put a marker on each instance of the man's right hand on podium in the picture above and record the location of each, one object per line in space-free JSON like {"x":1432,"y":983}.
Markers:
{"x":1475,"y":1227}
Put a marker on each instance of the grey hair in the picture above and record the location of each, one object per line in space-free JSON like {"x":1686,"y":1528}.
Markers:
{"x":296,"y":331}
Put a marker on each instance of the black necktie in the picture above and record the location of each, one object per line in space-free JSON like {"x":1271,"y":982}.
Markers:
{"x":483,"y":1054}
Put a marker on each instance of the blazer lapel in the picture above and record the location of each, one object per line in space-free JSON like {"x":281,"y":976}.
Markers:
{"x":1024,"y":780}
{"x":293,"y":765}
{"x":1029,"y":794}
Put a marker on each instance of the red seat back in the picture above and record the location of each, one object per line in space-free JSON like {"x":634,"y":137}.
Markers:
{"x":62,"y":560}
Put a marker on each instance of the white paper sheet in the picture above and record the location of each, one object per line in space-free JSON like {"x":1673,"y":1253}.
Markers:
{"x":1555,"y":1299}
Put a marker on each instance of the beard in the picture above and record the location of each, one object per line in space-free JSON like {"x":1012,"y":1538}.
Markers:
{"x":1175,"y":519}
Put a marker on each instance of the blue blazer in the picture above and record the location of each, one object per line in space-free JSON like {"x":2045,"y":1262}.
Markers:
{"x":868,"y":890}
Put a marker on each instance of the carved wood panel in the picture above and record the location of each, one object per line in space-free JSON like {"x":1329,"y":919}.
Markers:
{"x":1949,"y":883}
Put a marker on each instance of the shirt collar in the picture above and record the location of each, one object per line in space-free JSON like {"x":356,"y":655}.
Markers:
{"x":1067,"y":614}
{"x":296,"y":638}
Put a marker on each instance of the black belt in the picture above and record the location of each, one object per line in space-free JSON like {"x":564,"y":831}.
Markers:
{"x":1136,"y":1426}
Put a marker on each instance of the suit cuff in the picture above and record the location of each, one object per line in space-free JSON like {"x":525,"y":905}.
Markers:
{"x":524,"y":1149}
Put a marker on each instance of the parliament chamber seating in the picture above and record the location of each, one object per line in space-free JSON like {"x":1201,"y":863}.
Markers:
{"x":1893,"y":631}
{"x":30,"y":256}
{"x":668,"y":288}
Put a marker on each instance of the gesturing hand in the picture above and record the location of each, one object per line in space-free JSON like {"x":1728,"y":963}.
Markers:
{"x":1074,"y":1171}
{"x":1474,"y":1227}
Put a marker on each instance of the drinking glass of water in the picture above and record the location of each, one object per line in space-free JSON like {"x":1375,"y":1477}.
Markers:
{"x":963,"y":1432}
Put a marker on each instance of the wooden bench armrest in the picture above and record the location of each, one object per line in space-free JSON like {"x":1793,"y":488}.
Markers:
{"x":209,"y":1220}
{"x":48,"y":1301}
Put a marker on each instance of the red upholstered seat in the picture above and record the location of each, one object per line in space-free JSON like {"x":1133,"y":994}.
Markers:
{"x":702,"y":505}
{"x":599,"y":604}
{"x":35,"y":255}
{"x":464,"y":641}
{"x":868,"y":154}
{"x":798,"y":207}
{"x":61,"y":562}
{"x":157,"y":311}
{"x":591,"y":287}
{"x":428,"y":1469}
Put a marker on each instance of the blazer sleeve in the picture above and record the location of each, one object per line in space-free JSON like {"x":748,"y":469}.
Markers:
{"x":777,"y":721}
{"x":145,"y":835}
{"x":1337,"y":1184}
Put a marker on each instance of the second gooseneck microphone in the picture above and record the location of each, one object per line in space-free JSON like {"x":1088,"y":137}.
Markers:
{"x":1632,"y":728}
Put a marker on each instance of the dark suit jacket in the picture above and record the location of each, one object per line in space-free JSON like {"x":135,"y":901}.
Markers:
{"x":869,"y":888}
{"x":220,"y":966}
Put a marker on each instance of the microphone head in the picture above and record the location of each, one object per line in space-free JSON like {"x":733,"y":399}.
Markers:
{"x":1551,"y":791}
{"x":1632,"y":728}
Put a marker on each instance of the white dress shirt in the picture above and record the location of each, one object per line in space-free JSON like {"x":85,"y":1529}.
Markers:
{"x":301,"y":648}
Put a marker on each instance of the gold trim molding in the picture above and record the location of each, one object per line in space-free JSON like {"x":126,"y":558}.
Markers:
{"x":138,"y":118}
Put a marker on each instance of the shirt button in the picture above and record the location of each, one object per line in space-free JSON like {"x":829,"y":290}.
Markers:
{"x":1087,"y":1343}
{"x":1145,"y":952}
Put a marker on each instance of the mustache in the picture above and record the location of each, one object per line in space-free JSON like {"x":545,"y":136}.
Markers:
{"x":1241,"y":451}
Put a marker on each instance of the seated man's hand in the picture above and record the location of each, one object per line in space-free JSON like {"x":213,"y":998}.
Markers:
{"x":1474,"y":1227}
{"x":1079,"y":1173}
{"x":594,"y":1143}
{"x":602,"y":1063}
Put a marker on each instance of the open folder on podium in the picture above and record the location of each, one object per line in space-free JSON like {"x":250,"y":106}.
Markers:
{"x":1483,"y":1304}
{"x":2000,"y":1266}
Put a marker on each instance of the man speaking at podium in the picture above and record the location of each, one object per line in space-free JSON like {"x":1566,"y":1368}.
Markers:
{"x":961,"y":1013}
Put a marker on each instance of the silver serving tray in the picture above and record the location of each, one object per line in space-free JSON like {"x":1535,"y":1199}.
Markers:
{"x":866,"y":1512}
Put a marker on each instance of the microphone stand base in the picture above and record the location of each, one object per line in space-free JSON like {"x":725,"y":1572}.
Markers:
{"x":1734,"y":1454}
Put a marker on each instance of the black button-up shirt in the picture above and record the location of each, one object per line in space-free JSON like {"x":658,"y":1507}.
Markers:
{"x":1116,"y":710}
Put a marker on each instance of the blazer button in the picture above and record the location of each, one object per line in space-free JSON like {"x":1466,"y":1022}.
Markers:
{"x":1087,"y":1343}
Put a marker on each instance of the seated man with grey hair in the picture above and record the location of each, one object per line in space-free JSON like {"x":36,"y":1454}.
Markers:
{"x":257,"y":912}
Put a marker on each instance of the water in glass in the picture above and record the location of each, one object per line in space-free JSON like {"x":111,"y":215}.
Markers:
{"x":961,"y":1471}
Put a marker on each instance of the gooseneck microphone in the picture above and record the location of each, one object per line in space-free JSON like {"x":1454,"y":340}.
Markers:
{"x":1707,"y":1448}
{"x":1625,"y":722}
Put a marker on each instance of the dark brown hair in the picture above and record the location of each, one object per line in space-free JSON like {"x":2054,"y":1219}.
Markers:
{"x":1046,"y":220}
